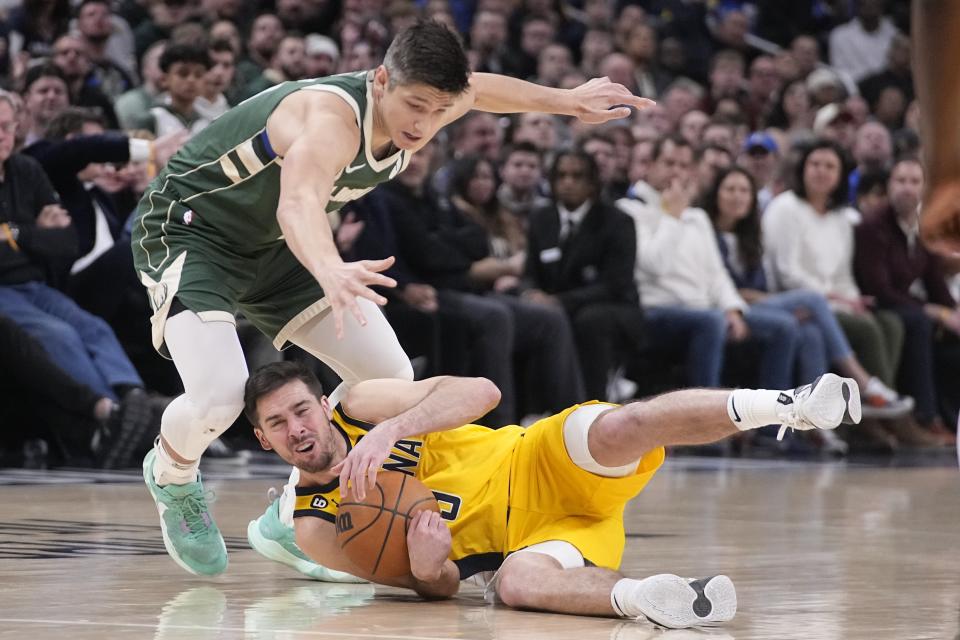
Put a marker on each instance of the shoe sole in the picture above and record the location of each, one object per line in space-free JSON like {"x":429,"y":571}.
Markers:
{"x":171,"y":550}
{"x":272,"y":550}
{"x":848,"y":389}
{"x":703,"y":602}
{"x":133,"y":423}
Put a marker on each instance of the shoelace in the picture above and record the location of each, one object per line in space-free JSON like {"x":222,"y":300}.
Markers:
{"x":193,"y":507}
{"x":793,"y":416}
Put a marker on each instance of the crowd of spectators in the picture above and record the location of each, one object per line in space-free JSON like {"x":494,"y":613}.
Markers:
{"x":757,"y":227}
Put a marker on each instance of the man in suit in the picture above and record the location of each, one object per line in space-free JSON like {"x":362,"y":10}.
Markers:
{"x":580,"y":257}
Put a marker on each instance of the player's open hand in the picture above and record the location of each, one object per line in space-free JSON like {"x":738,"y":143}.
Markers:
{"x":345,"y":282}
{"x":358,"y":471}
{"x":428,"y":543}
{"x":600,"y":100}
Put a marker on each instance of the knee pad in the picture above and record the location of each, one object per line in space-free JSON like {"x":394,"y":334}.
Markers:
{"x":576,"y":430}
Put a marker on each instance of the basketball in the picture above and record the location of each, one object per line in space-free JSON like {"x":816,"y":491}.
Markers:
{"x":373,"y":533}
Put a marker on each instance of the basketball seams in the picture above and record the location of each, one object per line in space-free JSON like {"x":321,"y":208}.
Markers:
{"x":378,"y":542}
{"x":393,"y":516}
{"x":369,"y":524}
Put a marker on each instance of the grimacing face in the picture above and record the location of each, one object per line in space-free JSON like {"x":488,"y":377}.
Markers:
{"x":294,"y":424}
{"x":411,"y":114}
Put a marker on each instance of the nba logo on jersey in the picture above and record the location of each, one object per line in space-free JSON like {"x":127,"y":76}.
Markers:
{"x":187,"y":216}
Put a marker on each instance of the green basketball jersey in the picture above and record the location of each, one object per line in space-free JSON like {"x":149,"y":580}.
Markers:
{"x":229,"y":175}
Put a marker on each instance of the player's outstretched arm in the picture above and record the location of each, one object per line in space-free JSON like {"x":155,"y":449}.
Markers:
{"x":936,"y":68}
{"x":401,"y":409}
{"x":595,"y":101}
{"x":326,"y":144}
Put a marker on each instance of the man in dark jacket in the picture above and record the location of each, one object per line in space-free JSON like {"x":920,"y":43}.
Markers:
{"x":580,"y":256}
{"x":35,"y":232}
{"x":904,"y":276}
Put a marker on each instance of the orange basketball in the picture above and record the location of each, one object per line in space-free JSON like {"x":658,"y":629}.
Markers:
{"x":373,"y":533}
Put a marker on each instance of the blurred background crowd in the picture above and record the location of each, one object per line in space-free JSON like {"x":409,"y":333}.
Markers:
{"x":758,"y":227}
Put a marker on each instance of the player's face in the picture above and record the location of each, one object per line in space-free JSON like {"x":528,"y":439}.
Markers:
{"x":412,"y":113}
{"x":297,"y":426}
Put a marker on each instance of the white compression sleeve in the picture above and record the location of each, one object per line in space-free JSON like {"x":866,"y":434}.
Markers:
{"x":213,"y":370}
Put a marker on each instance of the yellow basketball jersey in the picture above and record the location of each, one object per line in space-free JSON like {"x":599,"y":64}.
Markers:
{"x":468,"y":470}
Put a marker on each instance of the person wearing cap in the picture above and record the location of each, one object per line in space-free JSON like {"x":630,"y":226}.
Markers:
{"x":323,"y":55}
{"x":759,"y":157}
{"x":835,"y":122}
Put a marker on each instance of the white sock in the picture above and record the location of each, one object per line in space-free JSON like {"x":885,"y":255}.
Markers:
{"x":755,"y":408}
{"x":622,"y":598}
{"x":166,"y":470}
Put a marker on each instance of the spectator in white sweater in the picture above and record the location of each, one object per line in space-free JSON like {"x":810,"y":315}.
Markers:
{"x":808,"y":241}
{"x":690,"y":300}
{"x":859,"y":47}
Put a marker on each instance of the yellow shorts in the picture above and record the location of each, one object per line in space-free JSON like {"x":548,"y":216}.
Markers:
{"x":551,"y":498}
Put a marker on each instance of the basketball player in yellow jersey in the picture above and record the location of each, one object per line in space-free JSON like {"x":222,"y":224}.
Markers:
{"x":542,"y":506}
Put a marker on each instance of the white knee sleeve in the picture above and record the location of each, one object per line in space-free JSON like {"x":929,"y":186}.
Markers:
{"x":363,"y":353}
{"x":212,"y":367}
{"x":576,"y":429}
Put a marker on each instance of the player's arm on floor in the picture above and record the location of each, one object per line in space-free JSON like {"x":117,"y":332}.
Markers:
{"x":401,"y":409}
{"x":596,"y":101}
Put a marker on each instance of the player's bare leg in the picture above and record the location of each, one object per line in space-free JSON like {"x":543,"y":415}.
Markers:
{"x":936,"y":69}
{"x":539,"y":582}
{"x":699,"y":416}
{"x":611,"y":444}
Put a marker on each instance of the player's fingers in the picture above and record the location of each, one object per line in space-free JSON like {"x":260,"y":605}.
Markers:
{"x":372,"y":279}
{"x":356,"y":312}
{"x":337,"y":312}
{"x":372,"y":474}
{"x":641,"y":103}
{"x":372,"y":296}
{"x":378,"y":265}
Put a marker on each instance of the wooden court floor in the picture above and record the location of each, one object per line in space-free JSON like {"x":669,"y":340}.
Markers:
{"x":817,"y":550}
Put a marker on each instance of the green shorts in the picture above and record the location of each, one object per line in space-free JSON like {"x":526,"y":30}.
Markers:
{"x":178,"y":254}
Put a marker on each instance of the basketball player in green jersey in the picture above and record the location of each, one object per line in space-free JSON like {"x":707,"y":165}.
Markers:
{"x":237,"y":222}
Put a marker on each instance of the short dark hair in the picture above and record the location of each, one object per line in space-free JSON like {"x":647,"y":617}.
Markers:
{"x":429,"y":53}
{"x":872,"y":180}
{"x":839,"y":197}
{"x":271,"y":377}
{"x":593,"y":171}
{"x":520,"y":147}
{"x":183,"y":52}
{"x":676,"y":139}
{"x":71,"y":120}
{"x":222,"y":45}
{"x":42,"y":71}
{"x":86,"y":2}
